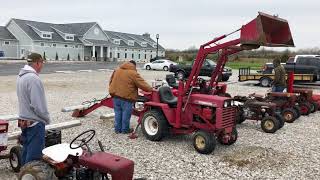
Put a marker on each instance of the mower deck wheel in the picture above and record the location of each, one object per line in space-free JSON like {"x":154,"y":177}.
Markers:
{"x":15,"y":158}
{"x":204,"y":142}
{"x":154,"y":125}
{"x":305,"y":108}
{"x":289,"y":115}
{"x":270,"y":124}
{"x":228,"y":139}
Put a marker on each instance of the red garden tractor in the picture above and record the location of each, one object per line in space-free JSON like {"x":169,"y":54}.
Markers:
{"x":77,"y":161}
{"x":204,"y":109}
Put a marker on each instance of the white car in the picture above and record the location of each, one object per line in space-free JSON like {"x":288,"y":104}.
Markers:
{"x":160,"y":64}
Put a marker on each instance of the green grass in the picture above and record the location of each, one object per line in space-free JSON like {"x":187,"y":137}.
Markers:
{"x":253,"y":63}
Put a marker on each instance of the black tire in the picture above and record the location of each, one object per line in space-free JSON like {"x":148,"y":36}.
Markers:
{"x":15,"y":158}
{"x":204,"y":142}
{"x":154,"y":125}
{"x":297,"y":109}
{"x":225,"y":78}
{"x":180,"y":75}
{"x":232,"y":140}
{"x":314,"y":106}
{"x":270,"y":124}
{"x":305,"y":108}
{"x":165,"y":68}
{"x":39,"y":170}
{"x":265,"y":82}
{"x":240,"y":117}
{"x":289,"y":115}
{"x":280,"y":119}
{"x":148,"y":67}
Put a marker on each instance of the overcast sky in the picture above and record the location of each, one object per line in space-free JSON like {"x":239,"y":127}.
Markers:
{"x":181,"y":24}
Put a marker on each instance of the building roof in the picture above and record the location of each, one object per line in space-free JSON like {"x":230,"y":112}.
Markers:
{"x":5,"y":34}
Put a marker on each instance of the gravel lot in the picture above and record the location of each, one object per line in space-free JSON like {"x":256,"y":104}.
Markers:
{"x":291,"y":153}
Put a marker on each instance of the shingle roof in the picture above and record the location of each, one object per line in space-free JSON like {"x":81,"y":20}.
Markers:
{"x":5,"y":34}
{"x":137,"y":39}
{"x":78,"y":29}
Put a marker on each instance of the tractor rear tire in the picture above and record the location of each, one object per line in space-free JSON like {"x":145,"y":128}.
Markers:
{"x":38,"y":170}
{"x":270,"y":124}
{"x":297,"y":108}
{"x":154,"y":125}
{"x":204,"y":142}
{"x":289,"y":115}
{"x":15,"y":158}
{"x":305,"y":108}
{"x":232,"y":140}
{"x":314,"y":106}
{"x":280,"y":119}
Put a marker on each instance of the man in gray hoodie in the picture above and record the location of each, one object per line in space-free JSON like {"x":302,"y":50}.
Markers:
{"x":33,"y":111}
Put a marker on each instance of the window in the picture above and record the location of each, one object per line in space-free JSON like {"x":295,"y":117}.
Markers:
{"x":139,"y":56}
{"x":118,"y":55}
{"x":110,"y":54}
{"x":77,"y":46}
{"x":131,"y":43}
{"x":125,"y":55}
{"x":145,"y":56}
{"x":41,"y":44}
{"x":151,"y":56}
{"x":125,"y":49}
{"x":116,"y":41}
{"x":7,"y":43}
{"x":54,"y":45}
{"x":69,"y":37}
{"x":132,"y":56}
{"x":46,"y":36}
{"x":65,"y":45}
{"x":144,"y":44}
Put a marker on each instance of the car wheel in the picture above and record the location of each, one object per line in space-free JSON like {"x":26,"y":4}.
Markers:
{"x":225,"y":78}
{"x":165,"y":68}
{"x":180,"y":75}
{"x":148,"y":67}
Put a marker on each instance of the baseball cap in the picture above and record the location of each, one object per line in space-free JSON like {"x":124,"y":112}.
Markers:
{"x":33,"y":57}
{"x":133,"y":62}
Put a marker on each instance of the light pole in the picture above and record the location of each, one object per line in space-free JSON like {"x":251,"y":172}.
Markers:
{"x":157,"y":36}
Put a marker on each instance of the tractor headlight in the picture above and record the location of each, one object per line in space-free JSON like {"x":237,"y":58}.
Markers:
{"x":232,"y":102}
{"x":263,"y":110}
{"x":225,"y":104}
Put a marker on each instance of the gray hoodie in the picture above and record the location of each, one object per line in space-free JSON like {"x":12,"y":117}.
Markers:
{"x":31,"y":96}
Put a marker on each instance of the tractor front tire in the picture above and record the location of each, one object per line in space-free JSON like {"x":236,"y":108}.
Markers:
{"x":228,"y":141}
{"x":289,"y":115}
{"x":270,"y":124}
{"x":298,"y":111}
{"x":305,"y":108}
{"x":280,"y":119}
{"x":204,"y":142}
{"x":15,"y":158}
{"x":38,"y":170}
{"x":154,"y":125}
{"x":314,"y":106}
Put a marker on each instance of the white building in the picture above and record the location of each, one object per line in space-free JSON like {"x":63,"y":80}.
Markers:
{"x":75,"y":41}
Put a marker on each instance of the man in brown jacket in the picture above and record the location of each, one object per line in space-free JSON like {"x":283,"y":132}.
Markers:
{"x":123,"y":87}
{"x":279,"y":82}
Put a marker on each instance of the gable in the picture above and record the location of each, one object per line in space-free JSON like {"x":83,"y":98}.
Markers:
{"x":95,"y":32}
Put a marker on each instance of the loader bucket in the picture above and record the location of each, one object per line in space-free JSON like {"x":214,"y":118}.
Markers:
{"x":266,"y":30}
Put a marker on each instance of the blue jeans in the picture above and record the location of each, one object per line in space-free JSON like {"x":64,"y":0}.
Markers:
{"x":278,"y":88}
{"x":122,"y":111}
{"x":33,"y":140}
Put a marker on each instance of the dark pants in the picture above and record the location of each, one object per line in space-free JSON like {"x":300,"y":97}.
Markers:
{"x":33,"y":140}
{"x":122,"y":111}
{"x":278,"y":88}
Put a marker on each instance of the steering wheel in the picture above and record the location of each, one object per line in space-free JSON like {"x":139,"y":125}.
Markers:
{"x":83,"y":138}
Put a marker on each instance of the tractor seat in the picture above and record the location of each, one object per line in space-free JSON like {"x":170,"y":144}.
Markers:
{"x":171,"y":80}
{"x":167,"y":97}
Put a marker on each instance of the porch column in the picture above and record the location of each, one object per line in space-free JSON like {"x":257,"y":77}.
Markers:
{"x":108,"y":52}
{"x":93,"y":51}
{"x":101,"y":52}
